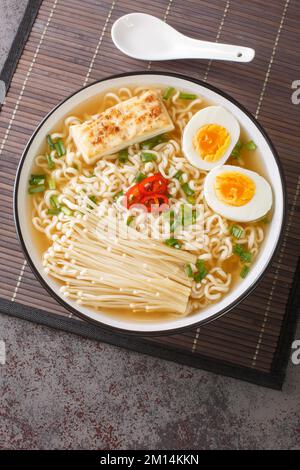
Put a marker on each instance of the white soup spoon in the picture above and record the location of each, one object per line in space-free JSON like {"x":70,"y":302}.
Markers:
{"x":146,"y":37}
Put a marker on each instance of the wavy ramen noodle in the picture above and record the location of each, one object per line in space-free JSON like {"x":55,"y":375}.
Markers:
{"x":142,"y":277}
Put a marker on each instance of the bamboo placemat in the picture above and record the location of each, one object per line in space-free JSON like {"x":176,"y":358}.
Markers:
{"x":69,"y":46}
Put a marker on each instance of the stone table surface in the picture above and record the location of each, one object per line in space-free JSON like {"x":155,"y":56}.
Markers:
{"x":61,"y":391}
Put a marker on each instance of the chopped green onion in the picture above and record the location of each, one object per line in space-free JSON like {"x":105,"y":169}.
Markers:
{"x":236,"y":231}
{"x":129,"y":220}
{"x":50,"y":142}
{"x":191,"y":199}
{"x":168,"y":92}
{"x":251,"y":145}
{"x":123,"y":155}
{"x":50,"y":162}
{"x":172,"y":242}
{"x":150,"y":143}
{"x":194,"y":216}
{"x":182,"y":212}
{"x":187,"y":190}
{"x":187,"y":96}
{"x":202,"y":271}
{"x":244,"y":271}
{"x":54,"y":202}
{"x":37,"y":189}
{"x":178,"y":176}
{"x":168,"y":215}
{"x":139,"y":177}
{"x":93,"y":198}
{"x":244,"y":255}
{"x":188,"y":270}
{"x":60,"y":148}
{"x":186,"y":214}
{"x":66,"y":210}
{"x":238,"y":249}
{"x":51,"y":183}
{"x":147,"y":157}
{"x":265,"y":220}
{"x":200,"y":264}
{"x":236,"y":152}
{"x":200,"y":275}
{"x":57,"y":148}
{"x":53,"y":211}
{"x":37,"y":179}
{"x":174,"y":224}
{"x":119,"y":194}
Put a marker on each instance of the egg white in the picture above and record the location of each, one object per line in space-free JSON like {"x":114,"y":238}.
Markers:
{"x":210,"y":115}
{"x":256,"y":208}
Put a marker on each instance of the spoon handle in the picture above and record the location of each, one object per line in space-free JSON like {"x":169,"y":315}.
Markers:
{"x":197,"y":49}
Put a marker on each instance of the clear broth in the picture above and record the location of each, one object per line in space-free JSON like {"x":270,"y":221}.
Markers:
{"x":251,"y":161}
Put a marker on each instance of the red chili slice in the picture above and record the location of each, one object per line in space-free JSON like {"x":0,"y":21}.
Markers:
{"x":157,"y":200}
{"x":155,"y":184}
{"x":150,"y":186}
{"x":133,"y":195}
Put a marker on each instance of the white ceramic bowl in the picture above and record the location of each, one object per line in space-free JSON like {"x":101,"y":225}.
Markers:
{"x":272,"y":172}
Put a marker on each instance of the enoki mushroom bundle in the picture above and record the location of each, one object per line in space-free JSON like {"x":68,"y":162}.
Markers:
{"x":124,"y":271}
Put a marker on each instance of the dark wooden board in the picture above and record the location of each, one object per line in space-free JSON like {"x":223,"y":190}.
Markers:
{"x":68,"y":46}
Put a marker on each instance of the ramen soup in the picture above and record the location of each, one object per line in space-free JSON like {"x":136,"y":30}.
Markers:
{"x":148,"y":202}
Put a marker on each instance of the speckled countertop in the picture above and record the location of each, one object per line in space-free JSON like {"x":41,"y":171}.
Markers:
{"x":60,"y":391}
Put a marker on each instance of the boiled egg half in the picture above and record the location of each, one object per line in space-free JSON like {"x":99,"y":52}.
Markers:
{"x":237,"y":194}
{"x":209,"y":137}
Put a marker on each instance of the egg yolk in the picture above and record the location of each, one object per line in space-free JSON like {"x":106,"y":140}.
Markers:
{"x":234,"y":188}
{"x":211,"y":141}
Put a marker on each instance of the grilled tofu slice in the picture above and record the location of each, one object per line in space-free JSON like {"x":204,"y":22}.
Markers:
{"x":131,"y":121}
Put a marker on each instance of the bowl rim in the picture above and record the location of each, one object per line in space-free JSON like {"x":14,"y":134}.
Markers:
{"x":149,"y":333}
